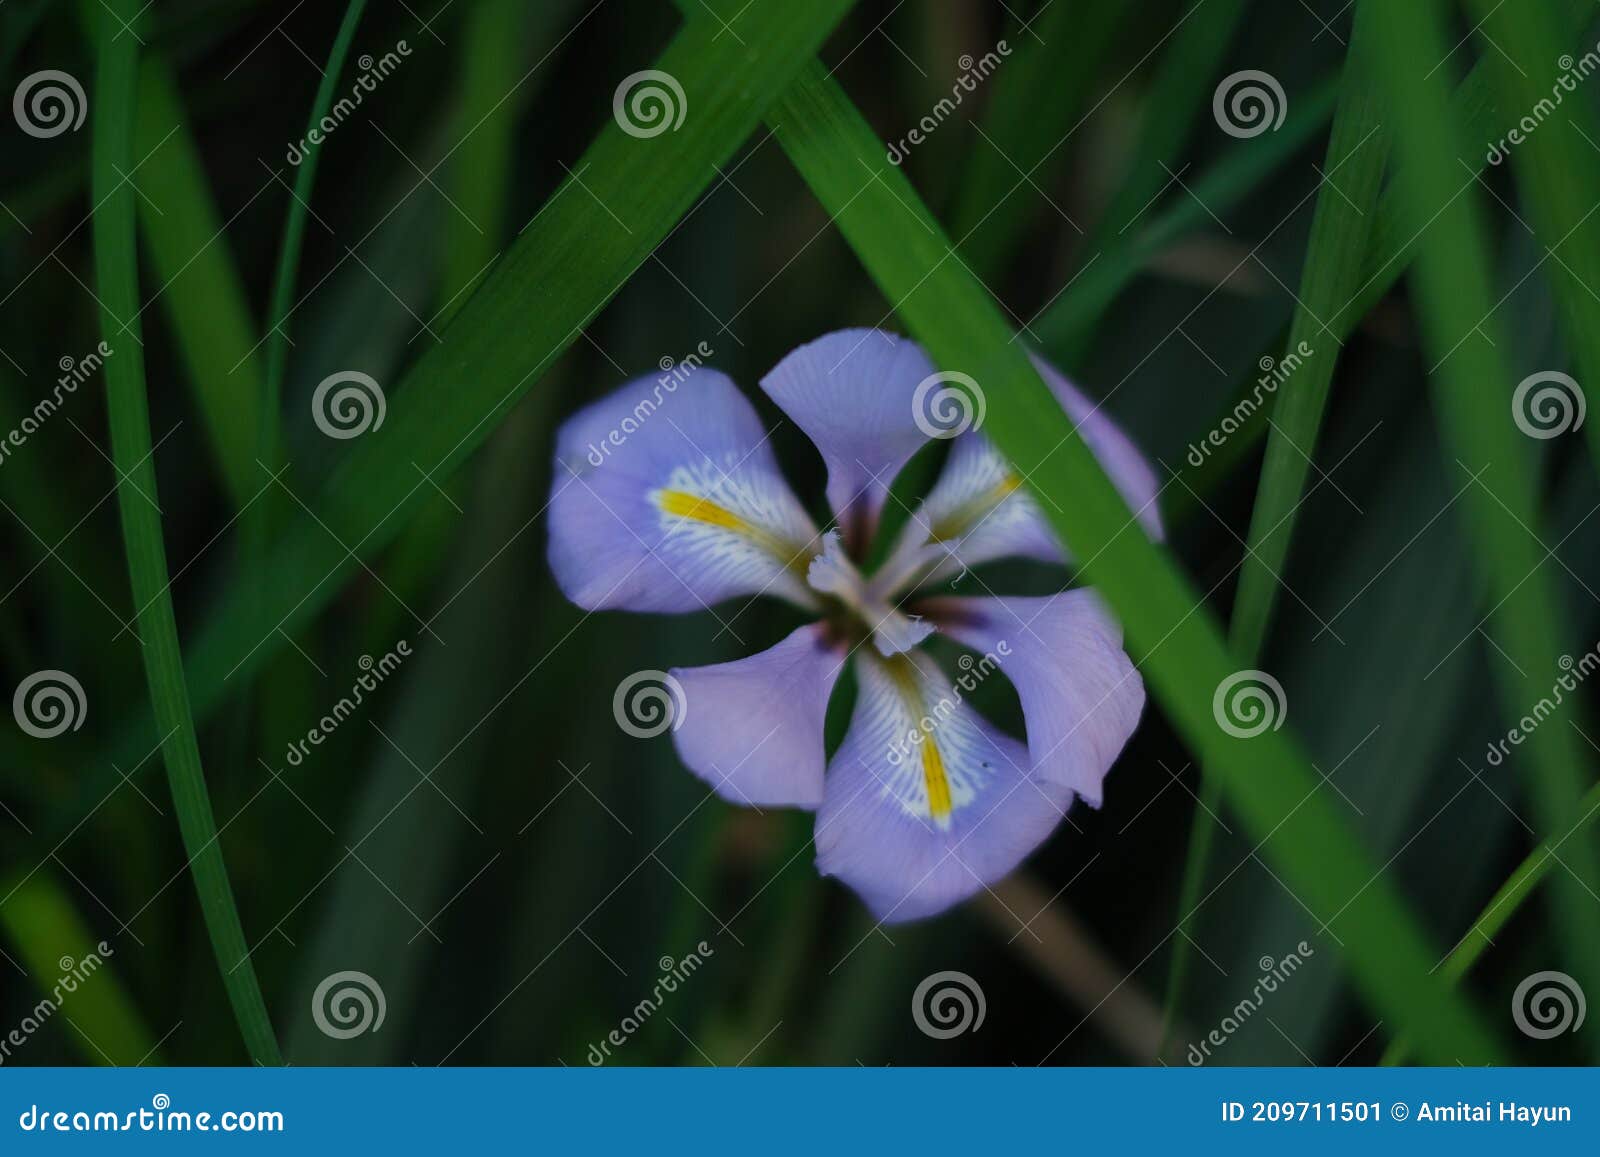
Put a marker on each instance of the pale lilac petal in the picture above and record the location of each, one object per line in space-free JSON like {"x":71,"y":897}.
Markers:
{"x":753,"y":728}
{"x":851,"y":392}
{"x":916,"y":825}
{"x":1081,"y":695}
{"x":667,"y":497}
{"x":979,"y":510}
{"x":1122,"y":461}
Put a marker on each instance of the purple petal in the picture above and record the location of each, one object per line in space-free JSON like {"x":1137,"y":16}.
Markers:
{"x":979,"y":511}
{"x":753,"y":728}
{"x":925,"y":802}
{"x":1121,"y":459}
{"x":1081,"y":696}
{"x":851,"y":392}
{"x":667,"y":497}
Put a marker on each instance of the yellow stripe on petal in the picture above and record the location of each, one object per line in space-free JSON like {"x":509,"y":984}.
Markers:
{"x":960,"y":520}
{"x":938,"y":783}
{"x":682,"y":504}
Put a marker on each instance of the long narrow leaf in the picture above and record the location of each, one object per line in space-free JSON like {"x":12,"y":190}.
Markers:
{"x":1340,"y":232}
{"x":1503,"y":905}
{"x":1174,"y":639}
{"x":1472,"y":387}
{"x":117,"y":273}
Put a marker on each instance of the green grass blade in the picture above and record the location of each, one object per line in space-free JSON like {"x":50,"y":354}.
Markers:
{"x":1176,"y":642}
{"x":1557,"y":167}
{"x":201,"y":291}
{"x":494,"y":40}
{"x":269,"y":436}
{"x":1034,"y":108}
{"x":1472,"y":386}
{"x":1503,"y":905}
{"x":116,"y":265}
{"x":1347,"y":202}
{"x":56,"y":945}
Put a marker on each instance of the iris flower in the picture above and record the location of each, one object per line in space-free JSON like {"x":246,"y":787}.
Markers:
{"x":668,"y":498}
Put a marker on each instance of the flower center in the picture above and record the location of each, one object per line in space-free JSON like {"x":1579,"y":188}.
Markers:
{"x":833,"y":573}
